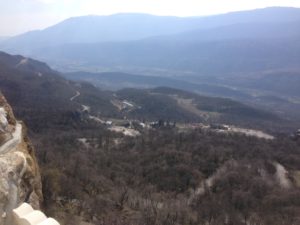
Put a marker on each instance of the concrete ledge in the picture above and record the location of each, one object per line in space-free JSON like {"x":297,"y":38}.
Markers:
{"x":26,"y":215}
{"x":49,"y":221}
{"x":34,"y":218}
{"x":22,"y":210}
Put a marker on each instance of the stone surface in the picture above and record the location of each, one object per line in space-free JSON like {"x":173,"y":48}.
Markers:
{"x":19,"y":173}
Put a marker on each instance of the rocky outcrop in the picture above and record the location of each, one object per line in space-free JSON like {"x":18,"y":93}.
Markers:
{"x":20,"y":179}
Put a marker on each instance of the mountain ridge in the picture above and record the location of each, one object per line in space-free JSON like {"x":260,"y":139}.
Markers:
{"x":128,"y":27}
{"x":60,"y":100}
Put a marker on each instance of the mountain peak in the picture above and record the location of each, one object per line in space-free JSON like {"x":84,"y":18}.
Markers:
{"x":135,"y":26}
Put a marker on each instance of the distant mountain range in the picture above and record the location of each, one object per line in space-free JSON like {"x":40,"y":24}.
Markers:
{"x":43,"y":98}
{"x":234,"y":42}
{"x":131,"y":27}
{"x":128,"y":27}
{"x":257,"y":40}
{"x":251,"y":56}
{"x":3,"y":38}
{"x":276,"y":91}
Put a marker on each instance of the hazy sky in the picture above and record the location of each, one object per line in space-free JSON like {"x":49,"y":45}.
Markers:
{"x":18,"y":16}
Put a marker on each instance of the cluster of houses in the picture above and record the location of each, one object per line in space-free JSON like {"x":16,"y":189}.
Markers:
{"x":298,"y":133}
{"x":154,"y":124}
{"x":162,"y":123}
{"x":295,"y":135}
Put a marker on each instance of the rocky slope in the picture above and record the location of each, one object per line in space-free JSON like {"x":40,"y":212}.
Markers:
{"x":20,"y":179}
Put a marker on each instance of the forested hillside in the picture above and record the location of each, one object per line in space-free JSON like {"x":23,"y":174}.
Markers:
{"x":168,"y":177}
{"x":139,"y":119}
{"x":251,"y":56}
{"x":163,"y":156}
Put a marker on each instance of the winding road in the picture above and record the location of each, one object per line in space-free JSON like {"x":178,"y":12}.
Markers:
{"x":75,"y":96}
{"x":282,"y":176}
{"x":14,"y":141}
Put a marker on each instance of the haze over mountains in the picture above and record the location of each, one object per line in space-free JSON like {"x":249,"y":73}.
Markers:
{"x":139,"y":42}
{"x":3,"y":38}
{"x":275,"y":23}
{"x":159,"y":120}
{"x":188,"y":167}
{"x":128,"y":27}
{"x":40,"y":93}
{"x":251,"y":56}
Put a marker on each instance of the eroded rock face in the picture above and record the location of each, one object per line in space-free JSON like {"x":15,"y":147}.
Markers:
{"x":19,"y":173}
{"x":3,"y":120}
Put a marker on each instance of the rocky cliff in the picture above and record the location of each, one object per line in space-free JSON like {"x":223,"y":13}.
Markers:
{"x":20,"y":179}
